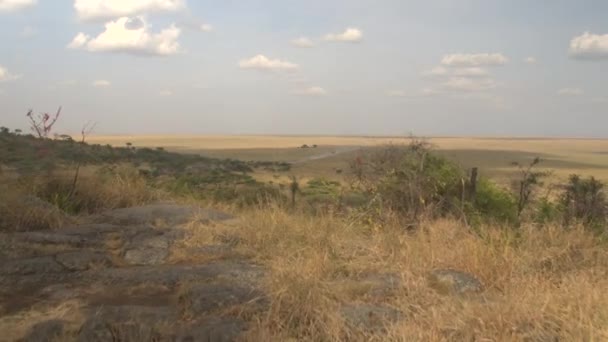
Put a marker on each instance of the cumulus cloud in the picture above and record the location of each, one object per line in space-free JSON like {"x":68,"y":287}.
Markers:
{"x":101,"y":83}
{"x":470,"y":72}
{"x":351,"y":35}
{"x":15,"y":5}
{"x":530,"y":60}
{"x":589,"y":46}
{"x":109,"y":9}
{"x":261,"y":62}
{"x":303,"y":42}
{"x":468,"y":84}
{"x":474,"y":60}
{"x":311,"y":91}
{"x":571,"y":91}
{"x":6,"y":76}
{"x":130,"y":35}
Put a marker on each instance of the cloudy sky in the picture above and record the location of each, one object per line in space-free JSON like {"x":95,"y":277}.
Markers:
{"x":371,"y":67}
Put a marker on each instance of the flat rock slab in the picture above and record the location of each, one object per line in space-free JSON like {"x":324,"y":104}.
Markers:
{"x":30,"y":266}
{"x":370,"y":317}
{"x":169,"y":275}
{"x":82,"y":260}
{"x":171,"y":214}
{"x":201,"y":299}
{"x":446,"y":281}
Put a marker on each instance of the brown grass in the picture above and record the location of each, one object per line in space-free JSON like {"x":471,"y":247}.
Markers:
{"x":547,"y":282}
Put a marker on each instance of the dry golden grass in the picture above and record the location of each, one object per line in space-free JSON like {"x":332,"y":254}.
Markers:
{"x":544,"y":284}
{"x":14,"y":327}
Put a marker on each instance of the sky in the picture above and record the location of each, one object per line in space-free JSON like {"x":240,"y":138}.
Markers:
{"x":331,"y":67}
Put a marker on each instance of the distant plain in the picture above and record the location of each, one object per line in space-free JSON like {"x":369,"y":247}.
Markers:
{"x":493,"y":155}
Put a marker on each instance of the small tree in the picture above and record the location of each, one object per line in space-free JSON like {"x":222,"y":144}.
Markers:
{"x":42,"y":124}
{"x":528,"y":184}
{"x":294,"y":188}
{"x":584,"y":200}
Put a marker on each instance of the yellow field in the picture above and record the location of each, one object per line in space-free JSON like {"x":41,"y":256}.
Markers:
{"x":492,"y":155}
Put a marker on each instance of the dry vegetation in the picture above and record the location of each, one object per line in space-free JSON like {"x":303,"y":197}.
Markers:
{"x":540,"y":283}
{"x":334,"y":275}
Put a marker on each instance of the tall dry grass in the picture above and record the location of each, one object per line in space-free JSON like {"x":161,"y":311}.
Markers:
{"x":47,"y":200}
{"x":541,"y":283}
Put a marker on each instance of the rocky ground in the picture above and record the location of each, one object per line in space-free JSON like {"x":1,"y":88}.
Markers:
{"x":114,"y":278}
{"x":122,"y":276}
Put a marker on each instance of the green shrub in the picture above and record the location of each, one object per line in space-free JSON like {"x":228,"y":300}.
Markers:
{"x":584,"y":200}
{"x":493,"y":204}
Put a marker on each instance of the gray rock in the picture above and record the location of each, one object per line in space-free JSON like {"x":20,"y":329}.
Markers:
{"x":370,"y":317}
{"x":146,"y":256}
{"x":448,"y":281}
{"x":172,"y":214}
{"x":45,"y":331}
{"x":381,"y":285}
{"x":149,"y":247}
{"x":226,"y":330}
{"x":52,"y":238}
{"x":169,"y":275}
{"x":31,"y":266}
{"x":82,"y":260}
{"x":202,"y":299}
{"x":125,"y":323}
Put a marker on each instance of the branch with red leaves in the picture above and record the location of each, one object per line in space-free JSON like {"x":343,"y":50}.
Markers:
{"x":42,"y":124}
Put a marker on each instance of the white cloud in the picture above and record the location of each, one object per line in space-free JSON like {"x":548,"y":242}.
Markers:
{"x":101,"y":83}
{"x":530,"y":60}
{"x":15,"y":5}
{"x":589,"y":46}
{"x":130,"y":35}
{"x":311,"y":91}
{"x":6,"y":76}
{"x":571,"y":91}
{"x":352,"y":35}
{"x":261,"y":62}
{"x":474,"y":60}
{"x":303,"y":42}
{"x":440,"y":71}
{"x":437,"y":71}
{"x":467,"y":84}
{"x":165,"y":92}
{"x":470,"y":72}
{"x":109,"y":9}
{"x":206,"y":27}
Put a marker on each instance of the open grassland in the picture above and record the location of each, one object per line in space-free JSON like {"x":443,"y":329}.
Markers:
{"x":276,"y":270}
{"x":492,"y":155}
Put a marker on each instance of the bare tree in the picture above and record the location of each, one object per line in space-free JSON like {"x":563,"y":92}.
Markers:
{"x":86,"y":130}
{"x":42,"y":124}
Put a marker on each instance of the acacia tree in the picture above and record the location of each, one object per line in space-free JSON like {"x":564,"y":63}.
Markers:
{"x":43,"y":123}
{"x":528,"y":184}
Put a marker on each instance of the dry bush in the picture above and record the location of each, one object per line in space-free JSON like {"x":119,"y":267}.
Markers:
{"x":541,"y":283}
{"x":96,"y":189}
{"x":19,"y":211}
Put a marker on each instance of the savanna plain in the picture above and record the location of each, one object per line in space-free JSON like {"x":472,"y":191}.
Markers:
{"x":302,"y":238}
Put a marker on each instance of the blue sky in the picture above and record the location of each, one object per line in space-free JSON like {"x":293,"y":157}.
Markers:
{"x":439,"y":67}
